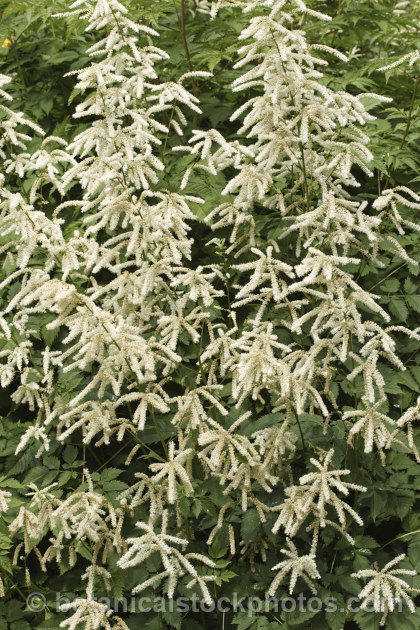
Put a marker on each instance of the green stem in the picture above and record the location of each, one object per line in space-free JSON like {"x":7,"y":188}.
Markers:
{"x":184,"y":40}
{"x":143,"y":445}
{"x":187,"y":54}
{"x":19,"y":67}
{"x":301,"y":432}
{"x":336,"y":551}
{"x":410,"y":113}
{"x":390,"y":274}
{"x":165,"y":448}
{"x":407,"y":127}
{"x":417,"y":531}
{"x":305,"y":181}
{"x":113,"y":456}
{"x":92,"y":452}
{"x":227,"y":64}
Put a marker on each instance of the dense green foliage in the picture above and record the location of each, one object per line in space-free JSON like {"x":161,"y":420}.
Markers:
{"x":37,"y":52}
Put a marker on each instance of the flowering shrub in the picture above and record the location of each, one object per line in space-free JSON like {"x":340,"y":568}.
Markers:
{"x":209,"y":347}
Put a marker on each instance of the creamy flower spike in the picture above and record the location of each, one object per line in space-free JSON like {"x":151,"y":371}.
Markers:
{"x":126,"y":297}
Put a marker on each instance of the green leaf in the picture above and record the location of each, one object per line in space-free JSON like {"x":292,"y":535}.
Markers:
{"x":406,"y":379}
{"x":263,"y":422}
{"x":367,"y":620}
{"x":404,"y":620}
{"x":64,"y":477}
{"x":51,"y":462}
{"x":49,"y":335}
{"x":398,"y":308}
{"x":336,"y":618}
{"x":196,"y":508}
{"x":173,"y":618}
{"x":10,"y":483}
{"x":69,"y":454}
{"x":414,"y":554}
{"x":410,"y":286}
{"x":415,"y":371}
{"x":24,"y":461}
{"x":365,"y":542}
{"x":217,"y":550}
{"x":243,"y":620}
{"x":401,"y":501}
{"x":51,"y":621}
{"x":114,"y":486}
{"x":414,"y":302}
{"x":250,"y":525}
{"x":221,"y":564}
{"x":6,"y":564}
{"x":297,"y":617}
{"x":391,"y":285}
{"x":349,"y":584}
{"x":34,"y":475}
{"x":108,"y":474}
{"x":379,"y":500}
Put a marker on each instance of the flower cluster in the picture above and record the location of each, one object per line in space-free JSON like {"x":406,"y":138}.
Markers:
{"x":127,"y":303}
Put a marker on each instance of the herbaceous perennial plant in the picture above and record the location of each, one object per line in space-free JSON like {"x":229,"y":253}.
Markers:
{"x":228,"y":385}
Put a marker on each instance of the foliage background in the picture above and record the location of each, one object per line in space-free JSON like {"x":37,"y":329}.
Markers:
{"x":41,"y":50}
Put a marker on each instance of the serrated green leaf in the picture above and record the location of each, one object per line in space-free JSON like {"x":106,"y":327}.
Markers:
{"x":366,"y":542}
{"x":250,"y":525}
{"x":398,"y":308}
{"x":414,"y":302}
{"x":108,"y":474}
